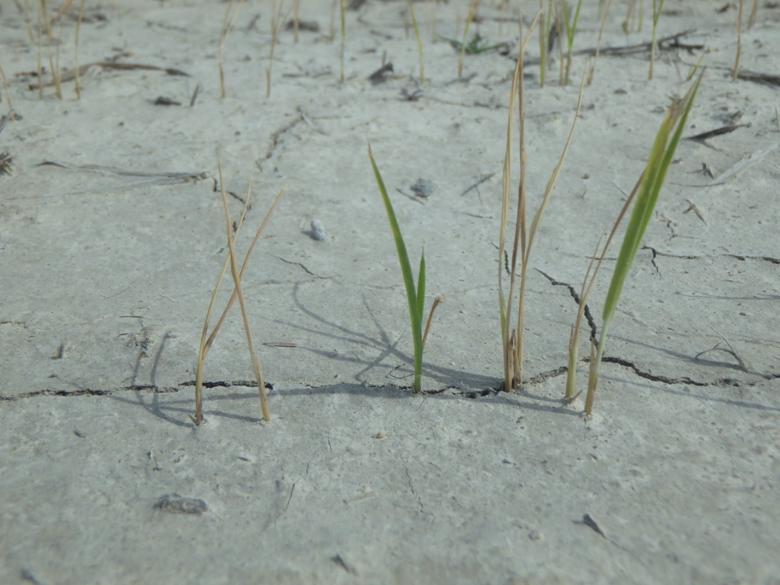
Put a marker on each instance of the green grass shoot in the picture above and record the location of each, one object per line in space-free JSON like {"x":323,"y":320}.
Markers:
{"x":476,"y":45}
{"x":207,"y":339}
{"x":469,"y":18}
{"x":415,"y":294}
{"x":585,"y":293}
{"x":657,"y":6}
{"x":419,"y":42}
{"x":648,"y":188}
{"x":570,"y":28}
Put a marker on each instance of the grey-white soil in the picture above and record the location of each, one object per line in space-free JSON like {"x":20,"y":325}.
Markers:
{"x":106,"y":274}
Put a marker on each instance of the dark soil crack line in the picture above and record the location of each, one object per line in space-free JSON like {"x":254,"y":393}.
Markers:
{"x":470,"y":394}
{"x":576,"y":297}
{"x":653,"y":377}
{"x":655,"y":253}
{"x":276,"y":136}
{"x":309,"y":272}
{"x":764,"y":258}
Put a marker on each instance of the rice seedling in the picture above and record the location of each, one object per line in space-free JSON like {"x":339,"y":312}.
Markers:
{"x":570,"y":28}
{"x":46,"y":20}
{"x":631,"y":17}
{"x":598,"y":42}
{"x":419,"y":42}
{"x":657,"y":6}
{"x":7,"y":93}
{"x":583,"y":301}
{"x":39,"y":67}
{"x":469,"y":18}
{"x":478,"y":44}
{"x":647,"y":190}
{"x":753,"y":14}
{"x":207,"y":339}
{"x":227,"y":26}
{"x":415,"y":294}
{"x":545,"y":27}
{"x":296,"y":20}
{"x":77,"y":80}
{"x":739,"y":41}
{"x":276,"y":27}
{"x":512,"y":339}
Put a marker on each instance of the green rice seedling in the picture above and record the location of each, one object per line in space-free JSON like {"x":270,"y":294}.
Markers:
{"x":512,"y":339}
{"x":227,"y":26}
{"x":415,"y":294}
{"x":419,"y":42}
{"x":647,"y":190}
{"x":657,"y":6}
{"x":598,"y":42}
{"x":545,"y":27}
{"x":694,"y":68}
{"x":739,"y":41}
{"x":570,"y":28}
{"x":478,"y":44}
{"x":585,"y":293}
{"x":469,"y":18}
{"x":207,"y":339}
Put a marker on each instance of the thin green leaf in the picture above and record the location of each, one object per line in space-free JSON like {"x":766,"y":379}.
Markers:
{"x":406,"y":271}
{"x":657,"y":166}
{"x":421,"y":288}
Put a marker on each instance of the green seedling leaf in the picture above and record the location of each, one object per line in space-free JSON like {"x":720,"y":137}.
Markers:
{"x":414,"y":295}
{"x":421,"y":288}
{"x":476,"y":45}
{"x":649,"y":187}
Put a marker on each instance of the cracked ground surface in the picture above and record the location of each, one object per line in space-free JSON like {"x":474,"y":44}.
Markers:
{"x":107,"y":272}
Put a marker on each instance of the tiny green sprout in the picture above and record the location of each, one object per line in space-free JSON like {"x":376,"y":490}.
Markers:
{"x":478,"y":44}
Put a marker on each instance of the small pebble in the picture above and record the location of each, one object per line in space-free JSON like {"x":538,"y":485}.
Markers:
{"x":175,"y":504}
{"x":422,"y":188}
{"x":318,"y":230}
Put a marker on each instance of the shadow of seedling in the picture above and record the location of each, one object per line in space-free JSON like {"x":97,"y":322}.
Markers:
{"x":385,"y":347}
{"x":176,"y":411}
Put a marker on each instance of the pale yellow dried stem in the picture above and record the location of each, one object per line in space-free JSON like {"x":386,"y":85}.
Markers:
{"x":237,"y":283}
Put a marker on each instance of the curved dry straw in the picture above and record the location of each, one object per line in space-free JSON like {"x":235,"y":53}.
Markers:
{"x":207,"y":339}
{"x":512,"y":339}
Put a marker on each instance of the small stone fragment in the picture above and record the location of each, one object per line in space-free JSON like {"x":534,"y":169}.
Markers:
{"x":422,"y":188}
{"x":176,"y":504}
{"x":318,"y":230}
